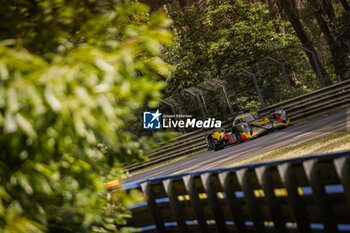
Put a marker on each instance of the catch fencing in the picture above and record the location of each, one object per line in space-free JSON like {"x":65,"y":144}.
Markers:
{"x":298,"y":108}
{"x":240,"y":87}
{"x":307,"y":194}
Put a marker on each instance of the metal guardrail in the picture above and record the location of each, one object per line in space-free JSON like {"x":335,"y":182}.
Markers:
{"x":307,"y":194}
{"x":306,"y":105}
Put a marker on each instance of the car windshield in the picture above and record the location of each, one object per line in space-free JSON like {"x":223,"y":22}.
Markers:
{"x":245,"y":118}
{"x":248,"y":118}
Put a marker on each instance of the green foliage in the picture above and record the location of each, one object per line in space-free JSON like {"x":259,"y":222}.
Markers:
{"x":344,"y":25}
{"x":69,"y":83}
{"x":244,"y":33}
{"x":216,"y":42}
{"x":229,"y":35}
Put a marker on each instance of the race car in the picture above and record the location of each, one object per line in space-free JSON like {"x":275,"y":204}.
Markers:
{"x":219,"y":139}
{"x":247,"y":126}
{"x":250,"y":125}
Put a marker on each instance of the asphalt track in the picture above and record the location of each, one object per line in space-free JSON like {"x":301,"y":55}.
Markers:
{"x":310,"y":130}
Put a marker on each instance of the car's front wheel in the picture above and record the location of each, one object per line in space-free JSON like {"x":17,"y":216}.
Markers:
{"x":211,"y":144}
{"x":236,"y":132}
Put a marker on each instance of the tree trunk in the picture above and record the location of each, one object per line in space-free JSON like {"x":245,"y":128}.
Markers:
{"x":345,"y":5}
{"x":274,"y":11}
{"x":182,"y":3}
{"x":328,"y":8}
{"x":295,"y":6}
{"x":296,"y":82}
{"x":294,"y":19}
{"x":337,"y":48}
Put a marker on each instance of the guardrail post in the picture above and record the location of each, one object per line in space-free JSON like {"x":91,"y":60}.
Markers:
{"x":342,"y":166}
{"x":199,"y":102}
{"x":157,"y":217}
{"x":256,"y":85}
{"x":174,"y":205}
{"x":266,"y":182}
{"x":195,"y":202}
{"x":284,"y":72}
{"x":170,"y":105}
{"x":317,"y":65}
{"x":249,"y":197}
{"x":172,"y":110}
{"x":226,"y":95}
{"x":214,"y":202}
{"x":227,"y":183}
{"x":312,"y":171}
{"x":288,"y":177}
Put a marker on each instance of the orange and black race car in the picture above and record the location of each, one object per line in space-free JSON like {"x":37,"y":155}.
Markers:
{"x":247,"y":126}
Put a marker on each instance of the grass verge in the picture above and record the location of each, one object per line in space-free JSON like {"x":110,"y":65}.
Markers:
{"x":334,"y":143}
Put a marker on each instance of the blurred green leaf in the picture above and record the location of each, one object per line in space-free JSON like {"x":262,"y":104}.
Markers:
{"x":72,"y":76}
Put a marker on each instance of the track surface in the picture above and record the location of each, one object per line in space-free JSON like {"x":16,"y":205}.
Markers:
{"x":302,"y":132}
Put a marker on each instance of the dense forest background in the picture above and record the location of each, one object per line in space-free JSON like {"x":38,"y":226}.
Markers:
{"x":214,"y":39}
